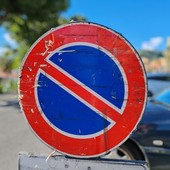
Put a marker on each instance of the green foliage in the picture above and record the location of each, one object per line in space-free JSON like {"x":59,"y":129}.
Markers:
{"x":151,"y":54}
{"x":26,"y":21}
{"x":78,"y":18}
{"x":8,"y":85}
{"x":6,"y":59}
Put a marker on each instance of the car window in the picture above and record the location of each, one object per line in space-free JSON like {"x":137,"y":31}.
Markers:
{"x":162,"y":78}
{"x":164,"y":97}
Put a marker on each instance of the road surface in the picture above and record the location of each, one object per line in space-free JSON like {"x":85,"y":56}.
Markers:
{"x":15,"y":134}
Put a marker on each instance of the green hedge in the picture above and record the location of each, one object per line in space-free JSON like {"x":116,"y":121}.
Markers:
{"x":8,"y":85}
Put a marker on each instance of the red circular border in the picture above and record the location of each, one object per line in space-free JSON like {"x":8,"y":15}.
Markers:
{"x":133,"y":69}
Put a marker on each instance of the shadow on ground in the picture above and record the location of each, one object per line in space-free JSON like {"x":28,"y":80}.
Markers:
{"x":9,"y":100}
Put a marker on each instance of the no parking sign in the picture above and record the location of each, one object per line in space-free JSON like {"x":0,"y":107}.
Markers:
{"x":82,"y":89}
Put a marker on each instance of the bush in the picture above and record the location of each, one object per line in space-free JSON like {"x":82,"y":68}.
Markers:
{"x":8,"y":85}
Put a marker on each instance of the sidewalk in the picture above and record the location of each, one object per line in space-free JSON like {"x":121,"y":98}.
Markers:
{"x":15,"y":134}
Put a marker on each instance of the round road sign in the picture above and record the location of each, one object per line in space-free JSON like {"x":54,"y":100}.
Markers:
{"x":82,"y":89}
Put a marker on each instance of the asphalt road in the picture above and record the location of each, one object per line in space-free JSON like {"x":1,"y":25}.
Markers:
{"x":15,"y":134}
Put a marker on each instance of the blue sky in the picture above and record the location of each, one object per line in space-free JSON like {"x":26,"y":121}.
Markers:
{"x":146,"y":23}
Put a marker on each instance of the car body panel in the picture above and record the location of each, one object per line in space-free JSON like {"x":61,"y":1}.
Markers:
{"x":153,"y":134}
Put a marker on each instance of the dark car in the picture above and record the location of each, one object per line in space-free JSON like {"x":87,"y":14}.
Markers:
{"x":151,"y":140}
{"x":157,"y":82}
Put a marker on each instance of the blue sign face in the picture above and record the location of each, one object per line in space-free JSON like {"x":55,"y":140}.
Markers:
{"x":97,"y":71}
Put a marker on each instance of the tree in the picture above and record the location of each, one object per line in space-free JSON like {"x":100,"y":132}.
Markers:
{"x":6,"y":60}
{"x":27,"y":20}
{"x":151,"y":54}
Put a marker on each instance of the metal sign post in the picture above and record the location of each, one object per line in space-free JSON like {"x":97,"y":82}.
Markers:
{"x":37,"y":162}
{"x":82,"y":89}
